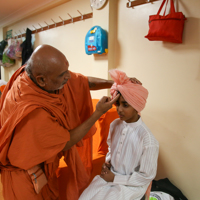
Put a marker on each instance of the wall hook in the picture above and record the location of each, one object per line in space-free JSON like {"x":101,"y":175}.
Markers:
{"x":21,"y":33}
{"x":41,"y":26}
{"x":35,"y":28}
{"x":81,"y":14}
{"x":129,"y":3}
{"x":71,"y":17}
{"x":46,"y":24}
{"x":54,"y":22}
{"x":16,"y":34}
{"x":62,"y":20}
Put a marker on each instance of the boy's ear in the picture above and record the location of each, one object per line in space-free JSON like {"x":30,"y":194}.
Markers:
{"x":41,"y":80}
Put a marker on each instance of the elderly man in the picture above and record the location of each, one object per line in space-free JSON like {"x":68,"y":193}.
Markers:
{"x":46,"y":112}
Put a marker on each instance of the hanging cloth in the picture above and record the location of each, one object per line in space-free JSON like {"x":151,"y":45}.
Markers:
{"x":27,"y":49}
{"x":3,"y":44}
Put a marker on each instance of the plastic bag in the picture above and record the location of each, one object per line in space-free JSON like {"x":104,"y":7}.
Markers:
{"x":18,"y":49}
{"x":160,"y":196}
{"x":6,"y":60}
{"x":10,"y":51}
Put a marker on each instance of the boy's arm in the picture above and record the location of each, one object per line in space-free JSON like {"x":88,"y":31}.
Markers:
{"x":146,"y":172}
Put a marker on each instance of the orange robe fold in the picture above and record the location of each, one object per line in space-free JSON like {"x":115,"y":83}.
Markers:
{"x":35,"y":128}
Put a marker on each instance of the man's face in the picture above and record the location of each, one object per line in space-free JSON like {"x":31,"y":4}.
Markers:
{"x":58,"y":78}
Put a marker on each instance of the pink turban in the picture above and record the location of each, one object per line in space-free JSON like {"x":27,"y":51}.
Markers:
{"x":134,"y":94}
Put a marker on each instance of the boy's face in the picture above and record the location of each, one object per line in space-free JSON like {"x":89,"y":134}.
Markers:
{"x":125,"y":111}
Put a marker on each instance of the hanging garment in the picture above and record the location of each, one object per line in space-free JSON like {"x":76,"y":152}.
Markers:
{"x":3,"y":44}
{"x":27,"y":49}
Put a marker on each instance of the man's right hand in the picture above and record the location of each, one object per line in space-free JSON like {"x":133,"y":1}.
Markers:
{"x":105,"y":103}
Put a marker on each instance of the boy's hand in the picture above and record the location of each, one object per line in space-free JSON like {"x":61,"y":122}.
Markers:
{"x":106,"y":174}
{"x":107,"y":164}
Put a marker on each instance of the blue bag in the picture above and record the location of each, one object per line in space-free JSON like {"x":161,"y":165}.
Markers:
{"x":96,"y":41}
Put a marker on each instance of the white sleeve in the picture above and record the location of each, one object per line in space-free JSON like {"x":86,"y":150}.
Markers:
{"x":108,"y":155}
{"x":146,"y":172}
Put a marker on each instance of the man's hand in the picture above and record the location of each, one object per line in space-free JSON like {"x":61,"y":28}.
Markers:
{"x":135,"y":80}
{"x":106,"y":174}
{"x":105,"y":103}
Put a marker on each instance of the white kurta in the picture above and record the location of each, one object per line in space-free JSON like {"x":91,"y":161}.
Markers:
{"x":133,"y":151}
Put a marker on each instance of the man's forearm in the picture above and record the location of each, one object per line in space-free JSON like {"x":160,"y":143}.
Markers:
{"x":79,"y":132}
{"x":104,"y":104}
{"x":98,"y":83}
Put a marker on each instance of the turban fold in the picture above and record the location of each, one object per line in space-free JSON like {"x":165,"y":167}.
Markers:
{"x":134,"y":94}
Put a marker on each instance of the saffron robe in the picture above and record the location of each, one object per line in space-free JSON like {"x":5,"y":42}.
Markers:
{"x":34,"y":130}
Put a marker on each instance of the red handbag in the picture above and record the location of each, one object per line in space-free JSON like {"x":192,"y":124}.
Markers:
{"x":167,"y":28}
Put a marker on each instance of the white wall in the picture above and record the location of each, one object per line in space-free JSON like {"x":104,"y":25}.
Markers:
{"x":69,"y":38}
{"x":171,"y":73}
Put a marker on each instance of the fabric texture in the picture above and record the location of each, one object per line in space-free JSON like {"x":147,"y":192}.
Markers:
{"x":100,"y":145}
{"x":133,"y":152}
{"x":104,"y":123}
{"x":34,"y":129}
{"x":167,"y":28}
{"x":134,"y":94}
{"x":38,"y":178}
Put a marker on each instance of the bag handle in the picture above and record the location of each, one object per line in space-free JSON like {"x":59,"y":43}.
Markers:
{"x":172,"y":9}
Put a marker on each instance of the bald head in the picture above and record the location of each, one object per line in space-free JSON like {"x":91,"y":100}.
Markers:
{"x":45,"y":62}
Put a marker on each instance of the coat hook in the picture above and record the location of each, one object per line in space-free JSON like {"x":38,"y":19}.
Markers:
{"x":41,"y":26}
{"x":81,"y":14}
{"x":54,"y":22}
{"x":62,"y":20}
{"x":71,"y":17}
{"x":21,"y":33}
{"x":47,"y":25}
{"x":91,"y":6}
{"x":35,"y":28}
{"x":129,"y":3}
{"x":16,"y":34}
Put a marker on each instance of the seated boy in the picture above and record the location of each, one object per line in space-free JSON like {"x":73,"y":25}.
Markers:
{"x":131,"y":162}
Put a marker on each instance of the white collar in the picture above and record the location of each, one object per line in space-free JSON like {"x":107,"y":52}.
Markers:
{"x":133,"y":124}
